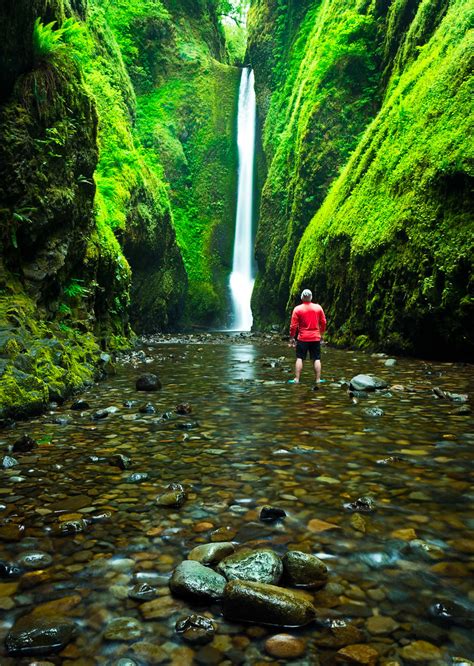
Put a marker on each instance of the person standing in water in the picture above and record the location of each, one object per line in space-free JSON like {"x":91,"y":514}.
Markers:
{"x":307,"y":327}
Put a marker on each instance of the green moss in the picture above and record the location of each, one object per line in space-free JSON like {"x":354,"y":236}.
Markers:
{"x":402,"y":204}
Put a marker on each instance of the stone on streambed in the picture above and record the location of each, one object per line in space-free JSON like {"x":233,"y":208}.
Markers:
{"x":148,"y":382}
{"x":183,"y":409}
{"x":373,"y":412}
{"x":9,"y":462}
{"x":420,"y":651}
{"x":80,"y":405}
{"x":266,"y":604}
{"x":174,"y":497}
{"x":147,"y":408}
{"x":33,"y":560}
{"x":211,"y":553}
{"x":123,"y":629}
{"x":285,"y":646}
{"x":269,"y":514}
{"x":10,"y":570}
{"x":142,"y":592}
{"x":363,"y":504}
{"x":39,"y":635}
{"x":259,"y":566}
{"x":367,"y":383}
{"x":192,"y":579}
{"x":24,"y":444}
{"x":358,"y":654}
{"x":196,"y":629}
{"x":304,"y":570}
{"x":120,"y":461}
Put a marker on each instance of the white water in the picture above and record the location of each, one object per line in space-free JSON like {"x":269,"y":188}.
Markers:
{"x":242,"y":277}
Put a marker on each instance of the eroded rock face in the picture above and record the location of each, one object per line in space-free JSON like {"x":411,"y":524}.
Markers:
{"x":32,"y":635}
{"x":266,"y":604}
{"x":193,"y":580}
{"x":260,"y":566}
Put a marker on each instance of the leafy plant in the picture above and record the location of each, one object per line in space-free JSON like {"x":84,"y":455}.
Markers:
{"x":75,"y":290}
{"x":50,"y":42}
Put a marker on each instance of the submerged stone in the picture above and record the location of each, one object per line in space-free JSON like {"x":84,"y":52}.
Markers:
{"x":80,"y":405}
{"x":24,"y":444}
{"x":33,"y":635}
{"x":120,"y":461}
{"x":34,"y":560}
{"x":269,"y":514}
{"x":142,"y":592}
{"x":362,"y":504}
{"x":148,"y":382}
{"x":183,"y":408}
{"x":260,"y":566}
{"x":266,"y":604}
{"x":285,"y":646}
{"x":174,"y":497}
{"x":192,"y":579}
{"x":123,"y":629}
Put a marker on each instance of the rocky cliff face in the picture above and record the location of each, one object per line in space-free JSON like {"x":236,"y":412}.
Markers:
{"x":94,"y":141}
{"x":365,"y":117}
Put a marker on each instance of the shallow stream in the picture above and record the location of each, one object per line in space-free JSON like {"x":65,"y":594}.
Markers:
{"x":250,"y":440}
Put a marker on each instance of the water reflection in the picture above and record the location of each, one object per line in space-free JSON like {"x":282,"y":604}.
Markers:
{"x":240,"y":362}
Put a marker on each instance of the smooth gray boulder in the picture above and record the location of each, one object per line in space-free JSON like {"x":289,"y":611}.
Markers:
{"x":260,"y":566}
{"x":266,"y":604}
{"x":192,"y":579}
{"x":367,"y":383}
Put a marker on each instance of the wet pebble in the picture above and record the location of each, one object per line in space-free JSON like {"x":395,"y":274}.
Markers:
{"x":367,"y":383}
{"x":39,"y":635}
{"x":285,"y":646}
{"x":196,"y":629}
{"x":362,"y":504}
{"x":269,"y":514}
{"x":304,"y":570}
{"x":123,"y":629}
{"x":174,"y":497}
{"x":147,"y":408}
{"x":24,"y":444}
{"x":9,"y":461}
{"x":32,"y":560}
{"x":211,"y":553}
{"x":419,"y":651}
{"x":358,"y":654}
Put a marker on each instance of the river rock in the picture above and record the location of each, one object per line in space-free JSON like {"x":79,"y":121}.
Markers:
{"x":9,"y":462}
{"x":196,"y":629}
{"x":420,"y":651}
{"x":12,"y":532}
{"x":33,"y":560}
{"x":192,"y":579}
{"x":266,"y":604}
{"x":100,"y":414}
{"x":358,"y":654}
{"x":450,"y":612}
{"x":367,"y":383}
{"x":120,"y":461}
{"x":24,"y":444}
{"x":142,"y":592}
{"x":260,"y":566}
{"x":10,"y":570}
{"x":373,"y":412}
{"x":463,"y":410}
{"x":211,"y":553}
{"x":304,"y":570}
{"x":285,"y":646}
{"x":137,"y":477}
{"x":268,"y":514}
{"x":147,"y":408}
{"x":423,"y":549}
{"x":39,"y":635}
{"x":80,"y":405}
{"x":148,"y":382}
{"x":123,"y":629}
{"x":379,"y":625}
{"x":362,"y":505}
{"x":183,"y":408}
{"x":70,"y":527}
{"x":174,"y":497}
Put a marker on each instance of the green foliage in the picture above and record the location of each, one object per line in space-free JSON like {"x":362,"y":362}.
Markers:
{"x":49,"y":42}
{"x":401,"y":209}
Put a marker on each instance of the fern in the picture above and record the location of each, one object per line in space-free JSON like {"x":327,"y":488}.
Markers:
{"x":50,"y":42}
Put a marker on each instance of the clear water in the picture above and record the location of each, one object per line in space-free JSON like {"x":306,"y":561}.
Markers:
{"x":255,"y":440}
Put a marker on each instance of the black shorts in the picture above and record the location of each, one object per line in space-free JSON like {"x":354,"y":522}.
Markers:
{"x":314,"y":349}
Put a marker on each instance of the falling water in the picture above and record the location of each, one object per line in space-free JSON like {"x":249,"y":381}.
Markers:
{"x":242,"y":278}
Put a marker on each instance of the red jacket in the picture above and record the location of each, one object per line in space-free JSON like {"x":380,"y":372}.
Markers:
{"x":308,"y":322}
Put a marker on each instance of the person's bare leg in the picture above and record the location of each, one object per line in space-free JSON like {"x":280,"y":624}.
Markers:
{"x":317,"y":371}
{"x":298,"y":369}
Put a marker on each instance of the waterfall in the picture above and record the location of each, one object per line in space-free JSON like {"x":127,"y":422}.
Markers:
{"x":242,"y":276}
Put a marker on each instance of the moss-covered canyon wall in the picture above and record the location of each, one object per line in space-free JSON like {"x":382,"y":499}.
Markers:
{"x":368,"y":197}
{"x":117,"y":182}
